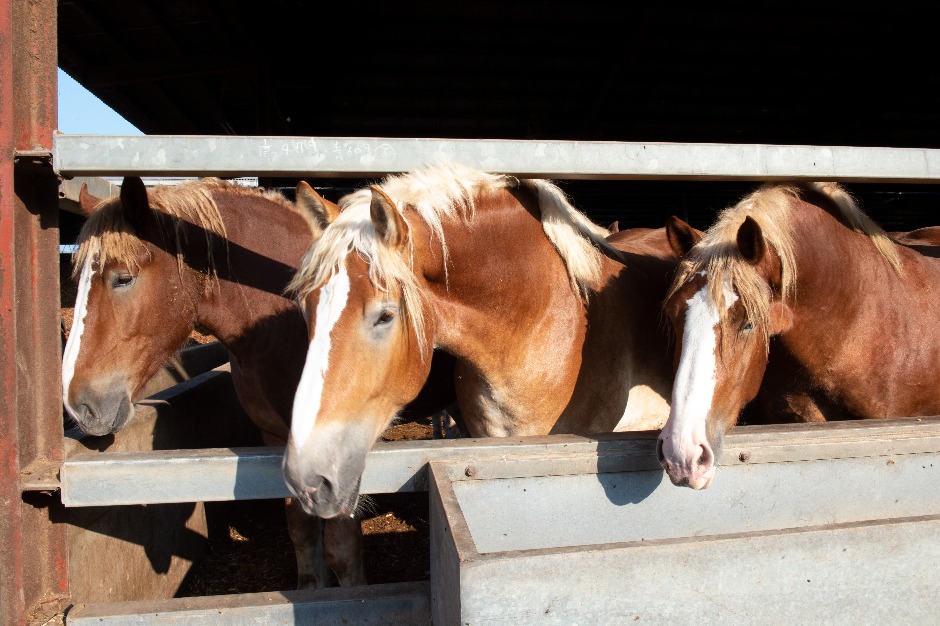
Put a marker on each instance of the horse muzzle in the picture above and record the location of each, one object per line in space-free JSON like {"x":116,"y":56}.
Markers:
{"x":321,"y":493}
{"x":104,"y":410}
{"x":695,"y":467}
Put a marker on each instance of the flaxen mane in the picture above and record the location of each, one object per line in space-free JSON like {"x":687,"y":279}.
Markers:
{"x":436,"y":193}
{"x":717,"y":253}
{"x":108,"y":236}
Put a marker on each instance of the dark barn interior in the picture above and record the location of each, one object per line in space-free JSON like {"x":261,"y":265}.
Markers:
{"x":800,"y":73}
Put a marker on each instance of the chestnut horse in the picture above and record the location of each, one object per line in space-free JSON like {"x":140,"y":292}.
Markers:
{"x":152,"y":265}
{"x":550,"y":334}
{"x":799,"y":276}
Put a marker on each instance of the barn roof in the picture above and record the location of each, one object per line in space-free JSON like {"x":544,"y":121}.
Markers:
{"x":721,"y":72}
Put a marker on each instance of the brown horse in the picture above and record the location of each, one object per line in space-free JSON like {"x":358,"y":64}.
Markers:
{"x":550,"y":335}
{"x":800,"y":276}
{"x":151,"y":266}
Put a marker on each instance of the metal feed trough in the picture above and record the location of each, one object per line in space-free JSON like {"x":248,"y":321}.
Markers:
{"x":833,"y":524}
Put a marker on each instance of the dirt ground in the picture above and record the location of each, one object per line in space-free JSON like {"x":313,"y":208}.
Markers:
{"x":249,"y":549}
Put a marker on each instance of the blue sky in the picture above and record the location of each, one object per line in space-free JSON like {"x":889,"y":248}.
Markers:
{"x":81,"y":112}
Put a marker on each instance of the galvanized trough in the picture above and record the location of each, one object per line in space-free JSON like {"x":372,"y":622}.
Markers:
{"x":831,"y":524}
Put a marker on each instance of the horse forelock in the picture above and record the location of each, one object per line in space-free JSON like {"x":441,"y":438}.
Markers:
{"x":717,"y":256}
{"x":435,"y":193}
{"x":108,"y":235}
{"x":353,"y":232}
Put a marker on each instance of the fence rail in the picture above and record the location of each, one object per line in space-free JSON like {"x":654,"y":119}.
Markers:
{"x":94,"y":479}
{"x":229,"y":156}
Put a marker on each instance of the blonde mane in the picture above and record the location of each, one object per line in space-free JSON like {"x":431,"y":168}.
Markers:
{"x":108,"y":236}
{"x":717,"y":254}
{"x":436,"y":193}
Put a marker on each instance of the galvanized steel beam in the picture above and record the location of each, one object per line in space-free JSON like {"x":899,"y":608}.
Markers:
{"x":154,"y":155}
{"x":99,"y":479}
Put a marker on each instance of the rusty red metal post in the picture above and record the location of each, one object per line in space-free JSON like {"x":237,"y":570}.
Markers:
{"x":33,"y":558}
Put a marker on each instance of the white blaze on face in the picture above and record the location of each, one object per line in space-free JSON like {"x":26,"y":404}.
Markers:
{"x":695,"y":382}
{"x":73,"y":345}
{"x":333,"y":298}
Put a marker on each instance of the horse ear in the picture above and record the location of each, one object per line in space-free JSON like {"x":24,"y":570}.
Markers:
{"x":681,"y":236}
{"x":751,"y":241}
{"x":317,"y":210}
{"x":614,"y":227}
{"x":86,"y":201}
{"x":134,"y":202}
{"x":389,"y":223}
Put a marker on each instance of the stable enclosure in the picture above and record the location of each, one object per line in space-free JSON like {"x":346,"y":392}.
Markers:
{"x":836,"y":505}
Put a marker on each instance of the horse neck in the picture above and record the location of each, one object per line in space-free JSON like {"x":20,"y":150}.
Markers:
{"x":507,"y":311}
{"x":855,"y":317}
{"x":834,"y":264}
{"x":626,"y":375}
{"x":265,"y":244}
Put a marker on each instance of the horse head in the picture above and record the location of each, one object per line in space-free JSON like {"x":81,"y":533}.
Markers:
{"x":132,"y":312}
{"x":724,"y":305}
{"x":368,"y":355}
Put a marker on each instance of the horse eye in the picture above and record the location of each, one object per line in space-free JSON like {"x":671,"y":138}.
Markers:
{"x":386,"y":316}
{"x":121,"y":280}
{"x":747,"y":327}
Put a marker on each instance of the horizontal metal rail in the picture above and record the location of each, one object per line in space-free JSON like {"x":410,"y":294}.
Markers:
{"x":99,"y":479}
{"x":228,"y":156}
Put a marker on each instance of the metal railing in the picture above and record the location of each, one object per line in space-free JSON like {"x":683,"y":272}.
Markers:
{"x":155,"y":155}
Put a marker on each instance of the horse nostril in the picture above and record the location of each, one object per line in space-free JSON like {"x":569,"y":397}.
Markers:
{"x":314,"y":488}
{"x":86,"y":417}
{"x":659,"y":452}
{"x":326,"y":486}
{"x":705,"y":458}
